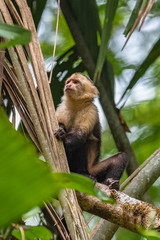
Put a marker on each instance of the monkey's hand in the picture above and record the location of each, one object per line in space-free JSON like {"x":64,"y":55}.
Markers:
{"x":61,"y":133}
{"x":112,"y":183}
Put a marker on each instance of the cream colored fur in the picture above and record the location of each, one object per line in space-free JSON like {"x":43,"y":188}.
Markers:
{"x":79,"y":112}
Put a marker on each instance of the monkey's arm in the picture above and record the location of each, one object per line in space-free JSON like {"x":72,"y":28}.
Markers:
{"x":73,"y":139}
{"x":83,"y":126}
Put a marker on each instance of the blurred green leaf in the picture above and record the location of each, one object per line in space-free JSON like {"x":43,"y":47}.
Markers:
{"x":79,"y":183}
{"x":24,"y":181}
{"x":127,"y":235}
{"x":66,"y":40}
{"x":32,"y":233}
{"x":17,"y":34}
{"x":155,"y":194}
{"x":143,"y":121}
{"x":75,"y":181}
{"x":149,"y":234}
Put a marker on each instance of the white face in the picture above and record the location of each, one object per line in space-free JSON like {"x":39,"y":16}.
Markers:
{"x":74,"y":86}
{"x":79,"y":87}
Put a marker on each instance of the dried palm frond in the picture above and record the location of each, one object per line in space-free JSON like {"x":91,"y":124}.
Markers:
{"x":22,"y":76}
{"x":143,"y":12}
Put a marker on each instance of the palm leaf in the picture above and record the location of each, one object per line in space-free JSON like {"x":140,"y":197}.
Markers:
{"x":142,"y":14}
{"x":111,"y":7}
{"x":86,"y":15}
{"x":133,"y":17}
{"x":152,"y":56}
{"x":65,"y":66}
{"x":84,"y":23}
{"x":17,"y":34}
{"x":18,"y":101}
{"x":37,"y":8}
{"x":17,"y":187}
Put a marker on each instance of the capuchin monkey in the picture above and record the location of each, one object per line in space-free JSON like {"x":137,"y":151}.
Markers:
{"x":80,"y":131}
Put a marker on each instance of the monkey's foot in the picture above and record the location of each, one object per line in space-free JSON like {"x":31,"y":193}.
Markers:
{"x":112,"y":183}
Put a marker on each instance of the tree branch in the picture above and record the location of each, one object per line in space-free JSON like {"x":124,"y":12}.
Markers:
{"x":127,"y":212}
{"x":138,"y":186}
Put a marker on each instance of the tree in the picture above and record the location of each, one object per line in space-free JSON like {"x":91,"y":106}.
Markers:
{"x":85,"y":55}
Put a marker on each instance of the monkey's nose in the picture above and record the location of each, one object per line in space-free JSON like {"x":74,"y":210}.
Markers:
{"x":68,"y":85}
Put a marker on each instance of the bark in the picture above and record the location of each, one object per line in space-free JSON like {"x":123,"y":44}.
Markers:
{"x":138,"y":186}
{"x":127,"y":212}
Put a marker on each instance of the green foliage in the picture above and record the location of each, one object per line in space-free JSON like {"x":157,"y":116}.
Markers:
{"x":152,"y":56}
{"x":111,"y":7}
{"x":37,"y":8}
{"x":127,"y":235}
{"x":143,"y":121}
{"x":155,"y":193}
{"x":156,"y":8}
{"x":149,"y":235}
{"x":66,"y":40}
{"x":108,"y":147}
{"x":118,"y":64}
{"x":133,"y":16}
{"x":21,"y":174}
{"x":66,"y":65}
{"x":17,"y":34}
{"x":79,"y":183}
{"x":21,"y":183}
{"x":74,"y":181}
{"x":47,"y":49}
{"x":143,"y":118}
{"x":87,"y":18}
{"x":32,"y":233}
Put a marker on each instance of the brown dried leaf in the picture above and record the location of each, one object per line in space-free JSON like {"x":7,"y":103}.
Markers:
{"x":141,"y":17}
{"x":123,"y":122}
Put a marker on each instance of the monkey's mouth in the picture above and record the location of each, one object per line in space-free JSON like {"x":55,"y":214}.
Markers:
{"x":67,"y":89}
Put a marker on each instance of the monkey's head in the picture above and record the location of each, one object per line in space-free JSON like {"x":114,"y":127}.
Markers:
{"x":80,"y":87}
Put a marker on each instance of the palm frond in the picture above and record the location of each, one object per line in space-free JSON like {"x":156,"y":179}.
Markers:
{"x":38,"y":110}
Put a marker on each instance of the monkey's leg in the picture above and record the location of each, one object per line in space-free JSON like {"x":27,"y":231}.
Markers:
{"x":110,"y":170}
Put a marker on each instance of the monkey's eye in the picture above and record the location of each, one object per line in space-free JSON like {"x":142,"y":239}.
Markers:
{"x":75,"y":81}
